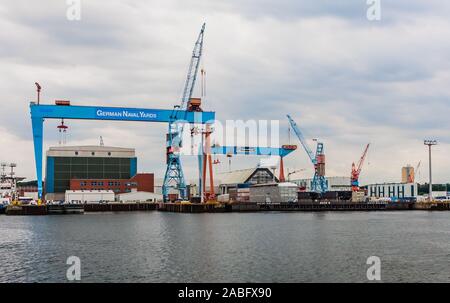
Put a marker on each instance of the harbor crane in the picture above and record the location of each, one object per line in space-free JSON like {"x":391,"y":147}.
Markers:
{"x":174,"y":176}
{"x":416,"y":172}
{"x":319,"y":183}
{"x":294,"y":172}
{"x":356,"y":170}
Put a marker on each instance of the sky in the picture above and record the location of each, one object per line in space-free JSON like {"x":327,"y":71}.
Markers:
{"x":346,"y":80}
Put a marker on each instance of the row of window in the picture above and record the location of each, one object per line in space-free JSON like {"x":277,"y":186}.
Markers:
{"x":92,"y":153}
{"x":116,"y":190}
{"x":261,"y":177}
{"x":390,"y":191}
{"x":100,"y":183}
{"x":110,"y":183}
{"x":88,"y":160}
{"x":92,"y":167}
{"x":92,"y":175}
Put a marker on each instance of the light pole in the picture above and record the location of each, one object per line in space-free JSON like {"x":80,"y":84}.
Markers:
{"x":430,"y":143}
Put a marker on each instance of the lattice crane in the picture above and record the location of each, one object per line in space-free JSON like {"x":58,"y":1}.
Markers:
{"x":174,"y":176}
{"x":319,"y":183}
{"x":356,"y":170}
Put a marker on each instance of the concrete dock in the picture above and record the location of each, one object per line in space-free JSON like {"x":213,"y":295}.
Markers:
{"x":18,"y":210}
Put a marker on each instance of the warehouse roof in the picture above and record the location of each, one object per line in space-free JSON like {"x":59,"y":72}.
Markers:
{"x":89,"y":148}
{"x":90,"y":151}
{"x":239,"y":176}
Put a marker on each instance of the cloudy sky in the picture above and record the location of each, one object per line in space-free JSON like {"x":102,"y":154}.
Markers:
{"x":346,"y":80}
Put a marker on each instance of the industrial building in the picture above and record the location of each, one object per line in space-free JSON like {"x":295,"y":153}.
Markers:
{"x":89,"y":196}
{"x":139,"y":196}
{"x":250,"y":176}
{"x":332,"y":183}
{"x":274,"y":193}
{"x":408,"y":174}
{"x":65,"y":163}
{"x":139,"y":182}
{"x":392,"y":190}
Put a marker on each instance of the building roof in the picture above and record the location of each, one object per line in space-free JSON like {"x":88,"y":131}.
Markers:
{"x":90,"y":148}
{"x":238,"y":176}
{"x":90,"y":151}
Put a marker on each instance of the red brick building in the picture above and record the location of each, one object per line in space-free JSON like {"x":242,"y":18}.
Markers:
{"x":140,"y":182}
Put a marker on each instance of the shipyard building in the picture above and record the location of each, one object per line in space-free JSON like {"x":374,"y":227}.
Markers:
{"x":393,"y":191}
{"x":333,"y":183}
{"x":91,"y":167}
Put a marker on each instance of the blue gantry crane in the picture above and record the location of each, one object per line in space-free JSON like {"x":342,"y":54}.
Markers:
{"x":319,"y":183}
{"x":40,"y":112}
{"x":174,"y":176}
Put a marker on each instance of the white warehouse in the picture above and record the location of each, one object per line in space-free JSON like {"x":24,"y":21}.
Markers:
{"x":89,"y":196}
{"x":392,"y":190}
{"x":333,"y":183}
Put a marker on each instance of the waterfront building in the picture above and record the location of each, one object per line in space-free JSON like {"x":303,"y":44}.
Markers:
{"x":392,"y":190}
{"x":64,"y":163}
{"x":140,"y":182}
{"x":89,"y":196}
{"x":239,"y":178}
{"x":333,"y":183}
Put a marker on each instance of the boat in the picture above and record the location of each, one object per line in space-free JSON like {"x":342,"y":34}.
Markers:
{"x":65,"y":208}
{"x":4,"y":202}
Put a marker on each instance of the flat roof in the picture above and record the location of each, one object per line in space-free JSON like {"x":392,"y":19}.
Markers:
{"x":90,"y":148}
{"x":91,"y":151}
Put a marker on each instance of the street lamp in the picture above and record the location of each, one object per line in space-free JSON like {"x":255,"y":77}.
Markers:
{"x":430,"y":143}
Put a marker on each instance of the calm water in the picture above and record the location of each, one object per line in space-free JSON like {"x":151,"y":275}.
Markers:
{"x":236,"y":247}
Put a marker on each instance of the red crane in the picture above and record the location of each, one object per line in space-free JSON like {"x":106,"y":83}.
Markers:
{"x":356,"y":170}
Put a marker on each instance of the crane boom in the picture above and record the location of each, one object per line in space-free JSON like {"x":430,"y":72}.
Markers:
{"x":361,"y":160}
{"x":193,"y":69}
{"x":302,"y":140}
{"x":319,"y":183}
{"x":417,"y":167}
{"x":356,"y":170}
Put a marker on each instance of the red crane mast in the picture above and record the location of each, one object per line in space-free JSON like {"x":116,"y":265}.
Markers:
{"x":356,"y":170}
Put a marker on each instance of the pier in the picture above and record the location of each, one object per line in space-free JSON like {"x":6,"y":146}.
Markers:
{"x":17,"y":210}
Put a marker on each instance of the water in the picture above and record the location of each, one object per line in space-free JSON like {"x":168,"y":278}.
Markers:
{"x":414,"y":246}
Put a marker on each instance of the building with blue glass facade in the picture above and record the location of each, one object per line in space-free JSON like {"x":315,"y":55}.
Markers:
{"x":64,"y":163}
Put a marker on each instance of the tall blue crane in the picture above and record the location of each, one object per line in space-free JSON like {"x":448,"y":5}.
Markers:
{"x":174,"y":176}
{"x":319,"y":183}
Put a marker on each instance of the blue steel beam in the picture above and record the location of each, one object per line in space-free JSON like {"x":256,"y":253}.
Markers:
{"x":245,"y":150}
{"x":41,"y":112}
{"x":115,"y":113}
